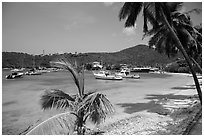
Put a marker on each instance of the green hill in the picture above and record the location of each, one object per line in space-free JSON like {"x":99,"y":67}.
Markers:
{"x":137,"y":55}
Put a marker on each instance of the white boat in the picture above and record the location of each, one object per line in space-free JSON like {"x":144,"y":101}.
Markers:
{"x":35,"y":73}
{"x":42,"y":71}
{"x":14,"y":75}
{"x":106,"y":76}
{"x":17,"y":70}
{"x":140,"y":70}
{"x":125,"y":73}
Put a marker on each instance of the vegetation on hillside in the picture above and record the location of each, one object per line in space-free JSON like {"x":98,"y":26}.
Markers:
{"x":140,"y":55}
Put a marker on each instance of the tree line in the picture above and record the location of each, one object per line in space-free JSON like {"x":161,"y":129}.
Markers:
{"x":139,"y":55}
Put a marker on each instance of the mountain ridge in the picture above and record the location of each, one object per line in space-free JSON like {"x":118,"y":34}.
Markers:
{"x":140,"y":55}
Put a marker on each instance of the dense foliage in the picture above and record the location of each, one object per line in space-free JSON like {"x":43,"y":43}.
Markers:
{"x":24,"y":60}
{"x":140,"y":55}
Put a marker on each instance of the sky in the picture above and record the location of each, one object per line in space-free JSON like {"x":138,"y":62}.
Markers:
{"x":70,"y":27}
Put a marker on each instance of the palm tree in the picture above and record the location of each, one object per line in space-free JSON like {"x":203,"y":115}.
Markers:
{"x":187,"y":34}
{"x":157,"y":13}
{"x":79,"y":107}
{"x":198,"y":57}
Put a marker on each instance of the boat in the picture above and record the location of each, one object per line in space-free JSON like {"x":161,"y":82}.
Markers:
{"x":14,"y":75}
{"x":104,"y":75}
{"x":125,"y":73}
{"x":146,"y":70}
{"x":33,"y":72}
{"x":17,"y":70}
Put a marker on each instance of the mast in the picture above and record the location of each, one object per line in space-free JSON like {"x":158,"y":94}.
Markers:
{"x":33,"y":61}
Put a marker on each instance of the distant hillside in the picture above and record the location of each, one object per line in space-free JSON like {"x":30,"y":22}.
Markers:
{"x":141,"y":55}
{"x":137,"y":55}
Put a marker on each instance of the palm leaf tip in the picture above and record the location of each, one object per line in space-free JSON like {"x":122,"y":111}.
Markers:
{"x":129,"y":12}
{"x":98,"y":107}
{"x":74,"y":70}
{"x":60,"y":124}
{"x":56,"y":99}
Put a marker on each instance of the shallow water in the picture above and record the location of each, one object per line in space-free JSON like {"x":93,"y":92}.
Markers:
{"x":21,"y":97}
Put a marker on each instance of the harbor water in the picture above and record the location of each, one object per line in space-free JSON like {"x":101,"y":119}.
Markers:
{"x":21,"y":97}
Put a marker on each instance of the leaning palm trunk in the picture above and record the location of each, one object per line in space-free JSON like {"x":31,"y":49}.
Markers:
{"x":198,"y":66}
{"x":194,"y":41}
{"x":181,"y":48}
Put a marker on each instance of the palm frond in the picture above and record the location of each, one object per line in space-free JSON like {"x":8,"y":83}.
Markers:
{"x":97,"y":106}
{"x":165,"y":8}
{"x":170,"y":44}
{"x":150,"y":14}
{"x":56,"y":99}
{"x":60,"y":124}
{"x":160,"y":45}
{"x":160,"y":29}
{"x":82,"y":80}
{"x":196,"y":10}
{"x":145,"y":27}
{"x":157,"y":11}
{"x":175,"y":6}
{"x":130,"y":11}
{"x":64,"y":63}
{"x":167,"y":47}
{"x":158,"y":34}
{"x":153,"y":41}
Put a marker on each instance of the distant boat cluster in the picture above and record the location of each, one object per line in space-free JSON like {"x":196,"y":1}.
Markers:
{"x":105,"y":75}
{"x":18,"y":73}
{"x":124,"y":73}
{"x":99,"y":74}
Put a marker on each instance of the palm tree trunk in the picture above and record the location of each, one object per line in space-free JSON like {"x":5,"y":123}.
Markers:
{"x":196,"y":63}
{"x":181,"y":48}
{"x":189,"y":35}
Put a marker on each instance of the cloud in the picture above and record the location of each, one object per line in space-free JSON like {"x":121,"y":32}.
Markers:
{"x":183,"y":9}
{"x":114,"y":34}
{"x":79,"y":20}
{"x":129,"y":31}
{"x":71,"y":25}
{"x":108,"y":3}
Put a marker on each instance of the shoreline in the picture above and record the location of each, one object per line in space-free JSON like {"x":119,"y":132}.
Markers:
{"x":174,"y":122}
{"x":163,"y":117}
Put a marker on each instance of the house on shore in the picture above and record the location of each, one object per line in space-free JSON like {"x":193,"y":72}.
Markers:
{"x":96,"y":65}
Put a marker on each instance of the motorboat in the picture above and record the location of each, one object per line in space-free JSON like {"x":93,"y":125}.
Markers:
{"x":33,"y":72}
{"x":106,"y":76}
{"x":17,"y":70}
{"x":125,"y":73}
{"x":14,"y":75}
{"x":144,"y":70}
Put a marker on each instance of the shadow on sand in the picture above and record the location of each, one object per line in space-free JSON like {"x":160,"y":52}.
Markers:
{"x":183,"y":88}
{"x":151,"y":106}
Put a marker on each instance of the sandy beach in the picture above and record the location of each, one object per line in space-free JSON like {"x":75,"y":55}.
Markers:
{"x":21,"y":109}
